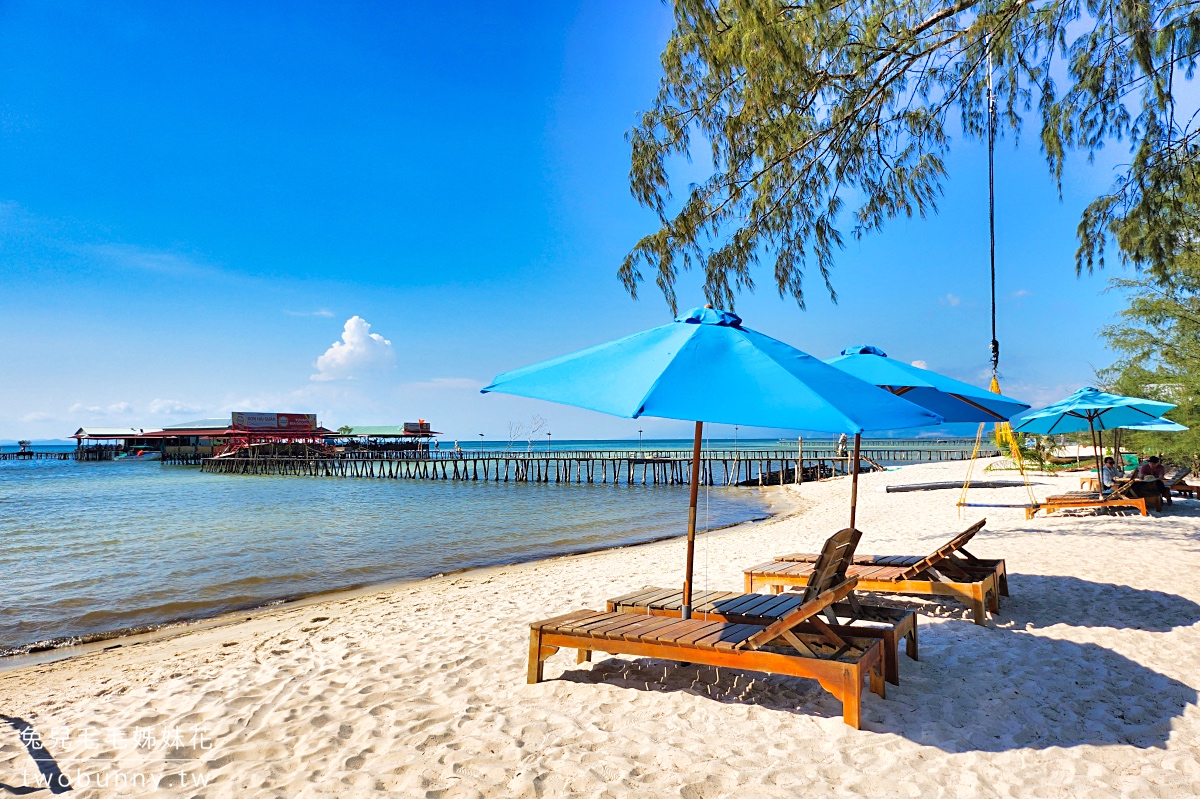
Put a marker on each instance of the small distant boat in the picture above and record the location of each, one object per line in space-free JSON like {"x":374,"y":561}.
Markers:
{"x":139,"y":455}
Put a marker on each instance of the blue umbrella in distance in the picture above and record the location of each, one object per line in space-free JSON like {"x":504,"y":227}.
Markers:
{"x":706,"y":367}
{"x":953,"y":400}
{"x":1093,"y":410}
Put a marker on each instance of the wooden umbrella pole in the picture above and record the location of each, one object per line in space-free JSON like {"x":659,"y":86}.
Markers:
{"x":854,"y":479}
{"x":685,"y":611}
{"x":1096,"y":452}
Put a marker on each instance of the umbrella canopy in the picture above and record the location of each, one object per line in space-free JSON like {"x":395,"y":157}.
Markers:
{"x":1090,"y":409}
{"x":1093,"y":410}
{"x":706,"y":367}
{"x":953,"y":400}
{"x":1159,"y":425}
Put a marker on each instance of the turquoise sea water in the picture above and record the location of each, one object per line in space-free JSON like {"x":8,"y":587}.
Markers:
{"x":91,"y":548}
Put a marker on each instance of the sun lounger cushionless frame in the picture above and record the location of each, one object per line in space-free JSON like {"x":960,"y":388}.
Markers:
{"x":839,"y":664}
{"x":936,"y":574}
{"x":891,"y":625}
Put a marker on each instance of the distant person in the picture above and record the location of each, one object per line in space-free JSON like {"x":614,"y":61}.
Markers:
{"x":1150,"y":479}
{"x":841,"y":446}
{"x":1110,"y":473}
{"x":1152,"y":468}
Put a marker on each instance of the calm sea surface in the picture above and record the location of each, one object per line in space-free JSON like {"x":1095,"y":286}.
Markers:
{"x":95,"y":547}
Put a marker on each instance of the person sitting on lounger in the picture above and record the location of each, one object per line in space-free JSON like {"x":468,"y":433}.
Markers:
{"x":1109,"y":474}
{"x":1150,"y":483}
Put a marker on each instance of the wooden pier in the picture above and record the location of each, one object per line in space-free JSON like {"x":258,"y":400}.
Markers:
{"x":661,"y":467}
{"x":35,"y":456}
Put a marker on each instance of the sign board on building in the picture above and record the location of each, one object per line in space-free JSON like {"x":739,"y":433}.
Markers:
{"x":275,"y":421}
{"x":417,"y":428}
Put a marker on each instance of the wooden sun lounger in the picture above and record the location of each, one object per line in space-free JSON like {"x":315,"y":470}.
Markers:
{"x":959,"y":556}
{"x":891,"y":625}
{"x":1120,"y":497}
{"x":838,"y":663}
{"x":894,"y":624}
{"x":936,"y":575}
{"x":1174,"y":481}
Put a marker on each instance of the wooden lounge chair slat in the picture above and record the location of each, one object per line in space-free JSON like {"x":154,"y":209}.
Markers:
{"x":574,"y":621}
{"x":758,"y":608}
{"x":780,"y":605}
{"x":677,"y":628}
{"x":735,"y":606}
{"x":715,"y":599}
{"x":646,"y":624}
{"x":661,"y":594}
{"x":729,"y":634}
{"x":689,"y":639}
{"x":567,"y":617}
{"x":598,"y":621}
{"x":633,"y":596}
{"x":612,"y":626}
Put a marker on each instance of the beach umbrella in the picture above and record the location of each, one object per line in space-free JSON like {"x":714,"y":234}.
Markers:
{"x":706,"y":367}
{"x":1092,"y":410}
{"x":953,"y":400}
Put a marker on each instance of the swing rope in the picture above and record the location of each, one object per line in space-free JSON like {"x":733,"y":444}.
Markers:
{"x":1003,"y":432}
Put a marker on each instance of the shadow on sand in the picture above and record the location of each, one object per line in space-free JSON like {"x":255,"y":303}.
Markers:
{"x":1040,"y":601}
{"x":51,"y":775}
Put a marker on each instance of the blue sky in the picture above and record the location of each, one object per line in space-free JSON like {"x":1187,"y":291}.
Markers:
{"x":198,"y":200}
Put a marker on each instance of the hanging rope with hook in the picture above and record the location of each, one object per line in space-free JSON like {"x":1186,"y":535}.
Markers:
{"x":991,"y":143}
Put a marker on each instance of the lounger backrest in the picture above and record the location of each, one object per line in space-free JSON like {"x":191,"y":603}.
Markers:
{"x":1121,"y":490}
{"x":837,"y":555}
{"x":803,"y":613}
{"x":1175,"y":475}
{"x":944,"y":551}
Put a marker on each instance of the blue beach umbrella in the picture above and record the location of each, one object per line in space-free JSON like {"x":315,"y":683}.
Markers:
{"x":1092,"y":410}
{"x":953,"y":400}
{"x":706,"y":367}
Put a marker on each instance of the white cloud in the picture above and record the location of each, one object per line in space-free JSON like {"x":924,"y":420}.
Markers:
{"x":358,"y":353}
{"x":115,"y":409}
{"x":452,"y":383}
{"x":953,"y":300}
{"x":1021,"y":293}
{"x":322,"y":312}
{"x":920,"y":364}
{"x":37,"y":416}
{"x":169,"y":406}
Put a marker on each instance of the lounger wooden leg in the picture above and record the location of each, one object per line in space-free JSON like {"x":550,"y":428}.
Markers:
{"x":911,"y":647}
{"x":749,"y":583}
{"x":876,"y":680}
{"x":993,"y":598}
{"x":978,"y":604}
{"x":852,"y":699}
{"x":535,"y":657}
{"x":1003,"y":583}
{"x":583,"y":656}
{"x":891,"y":657}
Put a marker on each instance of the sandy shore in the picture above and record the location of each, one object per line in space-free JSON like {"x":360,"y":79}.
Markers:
{"x":1085,"y":685}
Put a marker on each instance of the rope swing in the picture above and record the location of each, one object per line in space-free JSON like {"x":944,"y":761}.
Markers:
{"x":1003,"y":434}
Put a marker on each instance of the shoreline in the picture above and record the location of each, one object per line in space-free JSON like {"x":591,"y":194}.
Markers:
{"x":780,"y":505}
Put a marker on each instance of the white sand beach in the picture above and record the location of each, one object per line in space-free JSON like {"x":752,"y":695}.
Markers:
{"x":1084,"y":685}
